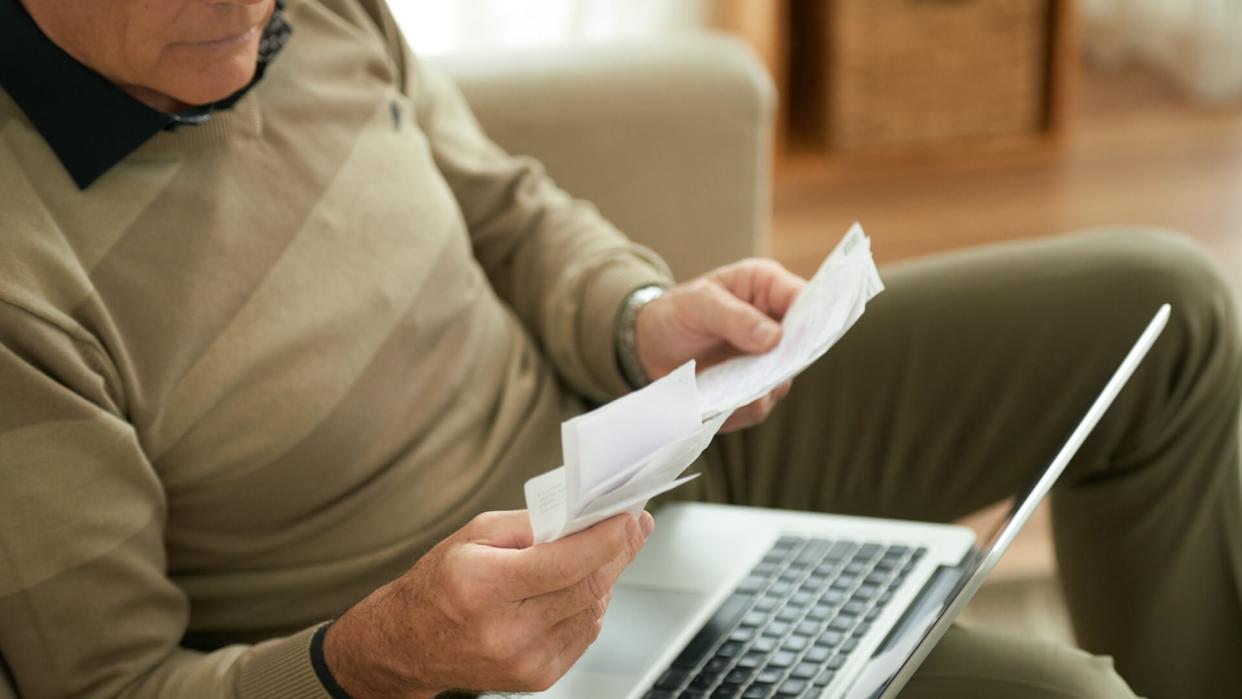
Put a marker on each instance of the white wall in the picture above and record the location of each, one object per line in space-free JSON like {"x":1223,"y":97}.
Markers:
{"x":443,"y":26}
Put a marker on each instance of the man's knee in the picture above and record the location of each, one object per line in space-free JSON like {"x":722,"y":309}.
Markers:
{"x":1147,"y":267}
{"x":1163,"y":266}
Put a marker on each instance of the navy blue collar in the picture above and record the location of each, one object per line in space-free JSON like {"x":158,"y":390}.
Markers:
{"x":88,"y":122}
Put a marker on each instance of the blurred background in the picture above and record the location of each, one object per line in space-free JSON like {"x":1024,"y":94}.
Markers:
{"x":941,"y":123}
{"x":944,"y":123}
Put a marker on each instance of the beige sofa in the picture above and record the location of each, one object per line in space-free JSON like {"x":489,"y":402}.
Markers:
{"x":670,"y":138}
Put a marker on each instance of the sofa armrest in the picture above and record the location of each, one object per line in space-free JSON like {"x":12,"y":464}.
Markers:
{"x":670,"y":137}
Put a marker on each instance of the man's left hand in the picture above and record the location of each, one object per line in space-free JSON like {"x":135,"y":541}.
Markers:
{"x":730,"y":311}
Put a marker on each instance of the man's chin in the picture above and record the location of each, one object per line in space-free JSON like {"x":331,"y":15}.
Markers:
{"x":213,"y":86}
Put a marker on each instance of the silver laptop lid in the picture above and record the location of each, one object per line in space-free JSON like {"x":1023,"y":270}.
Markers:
{"x":889,"y":670}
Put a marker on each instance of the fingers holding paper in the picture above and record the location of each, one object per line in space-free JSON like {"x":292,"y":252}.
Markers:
{"x":485,"y":609}
{"x":593,"y":591}
{"x":731,"y":311}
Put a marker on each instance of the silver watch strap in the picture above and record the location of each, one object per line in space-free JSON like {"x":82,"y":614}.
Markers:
{"x":627,"y":340}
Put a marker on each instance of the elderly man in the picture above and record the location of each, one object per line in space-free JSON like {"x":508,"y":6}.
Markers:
{"x":281,"y":333}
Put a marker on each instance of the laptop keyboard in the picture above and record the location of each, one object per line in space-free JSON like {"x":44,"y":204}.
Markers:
{"x":791,"y":623}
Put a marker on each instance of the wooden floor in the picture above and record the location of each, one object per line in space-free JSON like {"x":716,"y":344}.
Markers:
{"x":1136,"y":153}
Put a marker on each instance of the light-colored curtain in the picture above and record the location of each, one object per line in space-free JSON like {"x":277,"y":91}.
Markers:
{"x":1198,"y":43}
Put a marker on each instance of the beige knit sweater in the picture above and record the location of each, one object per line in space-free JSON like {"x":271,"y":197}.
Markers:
{"x":259,"y":367}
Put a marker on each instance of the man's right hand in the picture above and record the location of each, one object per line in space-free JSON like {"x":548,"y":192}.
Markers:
{"x":484,"y":610}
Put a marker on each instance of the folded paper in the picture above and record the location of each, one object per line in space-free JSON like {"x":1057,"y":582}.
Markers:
{"x":619,"y":456}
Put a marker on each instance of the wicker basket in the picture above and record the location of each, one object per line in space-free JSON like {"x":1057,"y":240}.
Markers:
{"x":928,"y":71}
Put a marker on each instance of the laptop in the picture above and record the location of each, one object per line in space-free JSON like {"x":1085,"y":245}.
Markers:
{"x":729,"y":601}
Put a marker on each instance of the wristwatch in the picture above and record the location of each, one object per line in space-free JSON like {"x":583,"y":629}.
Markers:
{"x":627,"y":340}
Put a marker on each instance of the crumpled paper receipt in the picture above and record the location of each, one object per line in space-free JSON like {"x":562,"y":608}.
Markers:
{"x":619,"y":456}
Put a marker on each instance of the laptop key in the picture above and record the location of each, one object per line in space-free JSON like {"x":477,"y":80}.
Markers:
{"x":782,"y":659}
{"x":804,"y":671}
{"x":717,"y":626}
{"x":717,"y":665}
{"x":757,"y":691}
{"x":791,"y":688}
{"x":849,"y":646}
{"x":840,"y":550}
{"x":727,"y":691}
{"x":729,"y":650}
{"x":660,"y":694}
{"x":738,"y":676}
{"x":769,"y":675}
{"x":867,"y":592}
{"x":764,"y":644}
{"x":704,"y":681}
{"x":817,"y":654}
{"x":752,"y":660}
{"x":795,"y":644}
{"x":830,"y":639}
{"x":832,"y":597}
{"x":813,"y":552}
{"x":825,"y":678}
{"x":692,"y":694}
{"x":753,"y":619}
{"x":814,"y":582}
{"x":776,"y":629}
{"x":843,"y":622}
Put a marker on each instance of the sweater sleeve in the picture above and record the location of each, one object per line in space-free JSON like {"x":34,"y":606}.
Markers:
{"x":560,"y":265}
{"x":86,"y":609}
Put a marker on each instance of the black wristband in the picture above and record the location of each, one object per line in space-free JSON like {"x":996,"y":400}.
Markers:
{"x":320,"y":666}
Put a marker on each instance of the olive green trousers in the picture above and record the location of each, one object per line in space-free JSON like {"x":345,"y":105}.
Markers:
{"x":957,"y":387}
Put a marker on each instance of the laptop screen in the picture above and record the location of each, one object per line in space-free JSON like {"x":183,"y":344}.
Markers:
{"x":903,"y":652}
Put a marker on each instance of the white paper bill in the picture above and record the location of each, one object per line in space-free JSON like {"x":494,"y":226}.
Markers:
{"x":551,"y":517}
{"x":833,"y":300}
{"x":599,"y":448}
